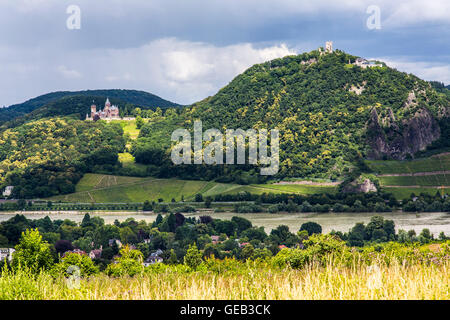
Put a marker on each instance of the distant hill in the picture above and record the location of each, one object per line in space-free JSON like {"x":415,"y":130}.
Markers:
{"x":138,"y":98}
{"x":331,"y":113}
{"x":440,"y":87}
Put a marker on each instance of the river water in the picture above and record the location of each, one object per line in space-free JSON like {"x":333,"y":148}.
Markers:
{"x":435,"y":221}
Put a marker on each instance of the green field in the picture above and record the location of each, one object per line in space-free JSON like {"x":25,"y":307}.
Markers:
{"x":105,"y":188}
{"x":435,"y":163}
{"x":404,"y":193}
{"x":129,"y":127}
{"x":431,"y":180}
{"x":404,"y":185}
{"x":100,"y":188}
{"x":289,"y":188}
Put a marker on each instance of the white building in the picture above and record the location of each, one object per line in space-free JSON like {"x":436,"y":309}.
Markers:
{"x":363,"y":63}
{"x":6,"y":254}
{"x":8,"y":191}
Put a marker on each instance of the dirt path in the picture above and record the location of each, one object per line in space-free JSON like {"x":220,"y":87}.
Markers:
{"x":416,"y":187}
{"x":417,"y":174}
{"x":310,"y":183}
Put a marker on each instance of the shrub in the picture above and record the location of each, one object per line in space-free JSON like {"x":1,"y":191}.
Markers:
{"x":193,"y":257}
{"x":83,"y":262}
{"x":129,"y":263}
{"x":311,"y":228}
{"x":32,"y":252}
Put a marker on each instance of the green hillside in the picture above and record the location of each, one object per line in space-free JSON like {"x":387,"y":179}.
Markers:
{"x":139,"y":98}
{"x":48,"y":156}
{"x":322,"y":106}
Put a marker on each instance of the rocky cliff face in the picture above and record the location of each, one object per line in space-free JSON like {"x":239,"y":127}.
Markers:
{"x":365,"y":187}
{"x":396,"y":140}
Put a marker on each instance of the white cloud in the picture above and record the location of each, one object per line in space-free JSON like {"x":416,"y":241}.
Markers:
{"x":69,"y":73}
{"x":411,"y":12}
{"x":180,"y":71}
{"x":426,"y":70}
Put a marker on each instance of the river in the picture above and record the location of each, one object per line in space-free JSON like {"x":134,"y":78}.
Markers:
{"x":435,"y":221}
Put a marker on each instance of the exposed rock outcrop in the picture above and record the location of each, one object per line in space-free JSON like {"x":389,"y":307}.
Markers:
{"x":392,"y":140}
{"x":366,"y":186}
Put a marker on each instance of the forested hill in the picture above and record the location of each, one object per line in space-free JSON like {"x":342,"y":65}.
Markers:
{"x":138,"y":98}
{"x":330,"y":112}
{"x":48,"y":156}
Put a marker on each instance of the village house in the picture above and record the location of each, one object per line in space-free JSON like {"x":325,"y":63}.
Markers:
{"x":6,"y":254}
{"x":8,"y":191}
{"x":76,"y":251}
{"x":96,"y":253}
{"x":116,"y":241}
{"x":154,"y":258}
{"x":363,"y":63}
{"x":241,"y":245}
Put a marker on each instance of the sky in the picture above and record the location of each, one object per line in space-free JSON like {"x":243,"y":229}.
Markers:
{"x":186,"y":50}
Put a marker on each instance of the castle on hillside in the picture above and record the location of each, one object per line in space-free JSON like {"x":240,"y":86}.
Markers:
{"x":328,"y":48}
{"x":110,"y":112}
{"x":363,"y":63}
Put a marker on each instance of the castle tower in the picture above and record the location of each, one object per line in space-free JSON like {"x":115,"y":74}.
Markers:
{"x":329,"y":47}
{"x":93,"y":110}
{"x":106,"y":110}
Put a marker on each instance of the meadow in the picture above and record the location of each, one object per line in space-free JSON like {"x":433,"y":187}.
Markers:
{"x":428,"y":180}
{"x":101,"y":188}
{"x":381,"y":278}
{"x":435,"y":163}
{"x":405,"y":192}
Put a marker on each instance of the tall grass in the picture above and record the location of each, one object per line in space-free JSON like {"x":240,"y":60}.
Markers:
{"x":334,"y":280}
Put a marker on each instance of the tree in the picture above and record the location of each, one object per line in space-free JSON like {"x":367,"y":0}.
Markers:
{"x":241,"y":223}
{"x":147,"y":206}
{"x":139,"y":122}
{"x":210,"y":250}
{"x":82,"y":261}
{"x":280,"y":234}
{"x":86,"y":222}
{"x":129,"y":263}
{"x":247,"y":252}
{"x":198,"y":197}
{"x":169,"y":223}
{"x":311,"y":228}
{"x":172,"y":258}
{"x":32,"y":252}
{"x":62,"y":246}
{"x":193,"y":257}
{"x":208,"y":201}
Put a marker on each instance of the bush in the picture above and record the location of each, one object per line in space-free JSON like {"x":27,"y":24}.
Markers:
{"x":193,"y":257}
{"x":83,"y":262}
{"x":129,"y":263}
{"x":311,"y":228}
{"x":32,"y":252}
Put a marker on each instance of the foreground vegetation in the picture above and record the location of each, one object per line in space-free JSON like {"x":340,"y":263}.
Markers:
{"x":379,"y":281}
{"x":324,"y":269}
